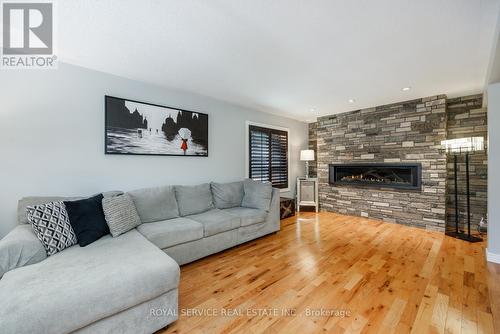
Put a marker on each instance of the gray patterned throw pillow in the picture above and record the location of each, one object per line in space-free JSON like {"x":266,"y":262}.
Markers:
{"x":51,"y":225}
{"x":121,"y":214}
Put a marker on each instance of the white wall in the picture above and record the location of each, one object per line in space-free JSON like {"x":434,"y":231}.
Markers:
{"x":493,"y":166}
{"x":52,"y":138}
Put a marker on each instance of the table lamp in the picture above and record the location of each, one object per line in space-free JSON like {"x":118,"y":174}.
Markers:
{"x":307,"y":155}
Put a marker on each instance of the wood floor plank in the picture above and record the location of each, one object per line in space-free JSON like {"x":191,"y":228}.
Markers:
{"x":493,"y":273}
{"x":393,"y":317}
{"x":440,"y":312}
{"x":356,"y":325}
{"x":485,"y":323}
{"x":332,"y":273}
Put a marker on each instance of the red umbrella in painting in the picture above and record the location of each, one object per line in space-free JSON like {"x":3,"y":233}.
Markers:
{"x":185,"y":134}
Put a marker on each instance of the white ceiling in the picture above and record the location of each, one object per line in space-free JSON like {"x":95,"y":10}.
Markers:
{"x":287,"y":56}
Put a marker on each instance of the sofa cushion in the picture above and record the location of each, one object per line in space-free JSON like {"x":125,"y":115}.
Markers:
{"x":79,"y":286}
{"x":121,"y":214}
{"x":155,"y":204}
{"x":168,"y":233}
{"x":257,"y":195}
{"x":216,"y":221}
{"x":20,"y":248}
{"x":248,"y":216}
{"x":51,"y":225}
{"x":37,"y":200}
{"x":87,"y":219}
{"x":194,"y":199}
{"x":227,"y":195}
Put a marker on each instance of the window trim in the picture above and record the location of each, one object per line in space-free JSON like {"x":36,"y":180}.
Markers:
{"x":247,"y":147}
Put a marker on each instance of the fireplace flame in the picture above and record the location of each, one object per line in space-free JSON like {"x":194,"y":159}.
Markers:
{"x":361,"y":177}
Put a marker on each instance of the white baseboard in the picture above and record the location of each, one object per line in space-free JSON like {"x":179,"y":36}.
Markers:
{"x":492,"y":257}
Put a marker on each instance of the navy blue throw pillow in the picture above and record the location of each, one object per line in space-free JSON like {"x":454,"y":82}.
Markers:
{"x":86,"y":217}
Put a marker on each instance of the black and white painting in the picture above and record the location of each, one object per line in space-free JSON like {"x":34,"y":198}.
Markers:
{"x":134,"y":127}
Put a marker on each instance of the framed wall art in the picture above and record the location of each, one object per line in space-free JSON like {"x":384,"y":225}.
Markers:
{"x":133,"y":127}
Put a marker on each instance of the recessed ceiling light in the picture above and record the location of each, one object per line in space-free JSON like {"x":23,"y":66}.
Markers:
{"x":405,"y":89}
{"x":352,"y":100}
{"x":312,"y":110}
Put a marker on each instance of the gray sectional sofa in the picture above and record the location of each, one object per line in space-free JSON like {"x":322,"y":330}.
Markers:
{"x":127,"y":284}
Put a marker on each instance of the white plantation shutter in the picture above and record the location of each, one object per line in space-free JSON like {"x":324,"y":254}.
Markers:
{"x":268,"y":156}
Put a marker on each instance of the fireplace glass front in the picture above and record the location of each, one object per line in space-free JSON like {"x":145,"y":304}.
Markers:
{"x":405,"y":176}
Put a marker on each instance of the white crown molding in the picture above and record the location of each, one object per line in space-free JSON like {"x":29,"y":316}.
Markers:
{"x":492,"y":257}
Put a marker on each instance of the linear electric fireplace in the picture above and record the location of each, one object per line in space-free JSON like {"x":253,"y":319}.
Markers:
{"x":390,"y":175}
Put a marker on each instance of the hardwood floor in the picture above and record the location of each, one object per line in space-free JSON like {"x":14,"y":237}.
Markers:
{"x":339,"y":274}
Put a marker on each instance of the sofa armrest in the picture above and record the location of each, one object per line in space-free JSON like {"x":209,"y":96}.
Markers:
{"x":274,"y":210}
{"x":20,"y":248}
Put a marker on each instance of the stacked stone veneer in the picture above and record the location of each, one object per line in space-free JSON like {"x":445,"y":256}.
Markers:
{"x":409,"y":131}
{"x":313,"y":144}
{"x":467,"y":118}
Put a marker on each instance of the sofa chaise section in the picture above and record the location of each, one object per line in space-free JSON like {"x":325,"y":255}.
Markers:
{"x":111,"y":284}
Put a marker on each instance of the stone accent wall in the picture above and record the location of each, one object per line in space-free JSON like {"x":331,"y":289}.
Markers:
{"x":313,"y":129}
{"x":409,"y":131}
{"x":467,"y":118}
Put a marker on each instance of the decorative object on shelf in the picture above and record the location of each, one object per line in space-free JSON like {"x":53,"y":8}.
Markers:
{"x":307,"y":155}
{"x":307,"y":192}
{"x":482,"y":227}
{"x":287,"y":207}
{"x":133,"y":127}
{"x":460,"y":146}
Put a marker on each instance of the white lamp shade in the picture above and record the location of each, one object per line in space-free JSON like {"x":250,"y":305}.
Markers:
{"x":307,"y":155}
{"x":462,"y":145}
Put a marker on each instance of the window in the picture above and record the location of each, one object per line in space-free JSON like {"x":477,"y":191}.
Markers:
{"x":268,"y":155}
